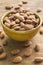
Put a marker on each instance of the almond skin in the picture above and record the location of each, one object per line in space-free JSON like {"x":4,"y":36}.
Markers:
{"x":41,"y":30}
{"x":3,"y":56}
{"x":38,"y":59}
{"x":17,"y":59}
{"x":38,"y":10}
{"x":24,"y":2}
{"x":8,"y":6}
{"x":37,"y":47}
{"x":28,"y":52}
{"x":15,"y":51}
{"x":1,"y":49}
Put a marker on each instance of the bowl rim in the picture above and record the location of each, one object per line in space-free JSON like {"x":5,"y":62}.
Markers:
{"x":20,"y":31}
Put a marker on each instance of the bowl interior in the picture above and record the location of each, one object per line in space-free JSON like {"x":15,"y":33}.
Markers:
{"x":20,"y":32}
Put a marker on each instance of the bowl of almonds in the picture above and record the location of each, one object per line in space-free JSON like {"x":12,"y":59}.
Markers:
{"x":21,"y":25}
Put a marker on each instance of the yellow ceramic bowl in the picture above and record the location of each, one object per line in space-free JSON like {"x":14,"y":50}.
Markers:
{"x":20,"y":35}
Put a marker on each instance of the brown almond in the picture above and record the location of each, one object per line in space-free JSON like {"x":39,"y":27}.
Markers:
{"x":29,"y":21}
{"x":37,"y":47}
{"x":35,"y":22}
{"x":15,"y":51}
{"x":38,"y":10}
{"x":16,"y":25}
{"x":24,"y":2}
{"x":38,"y":59}
{"x":6,"y":19}
{"x":2,"y":35}
{"x":16,"y":8}
{"x":7,"y":24}
{"x":41,"y":30}
{"x":1,"y":49}
{"x":27,"y":44}
{"x":17,"y":28}
{"x":4,"y":42}
{"x":17,"y":15}
{"x":22,"y":24}
{"x":9,"y":6}
{"x":22,"y":29}
{"x":3,"y":56}
{"x":28,"y":52}
{"x":17,"y":21}
{"x":29,"y":26}
{"x":21,"y":18}
{"x":11,"y":17}
{"x":17,"y":59}
{"x":12,"y":23}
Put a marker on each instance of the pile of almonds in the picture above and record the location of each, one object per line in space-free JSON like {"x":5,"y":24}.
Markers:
{"x":26,"y":23}
{"x":21,"y":21}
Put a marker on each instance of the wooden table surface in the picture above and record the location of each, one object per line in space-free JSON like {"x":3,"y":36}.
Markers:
{"x":33,"y":5}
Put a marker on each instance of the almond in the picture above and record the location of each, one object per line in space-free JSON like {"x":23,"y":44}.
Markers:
{"x":15,"y":51}
{"x":9,"y":6}
{"x":38,"y":59}
{"x":17,"y":59}
{"x":37,"y":47}
{"x":3,"y":56}
{"x":28,"y":52}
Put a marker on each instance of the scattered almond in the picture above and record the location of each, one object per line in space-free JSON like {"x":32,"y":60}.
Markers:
{"x":17,"y":59}
{"x":4,"y":42}
{"x":15,"y":51}
{"x":1,"y":49}
{"x":3,"y":56}
{"x":41,"y":30}
{"x":28,"y":52}
{"x":16,"y":8}
{"x":27,"y":44}
{"x":37,"y":47}
{"x":38,"y":10}
{"x":38,"y":59}
{"x":9,"y":6}
{"x":2,"y":35}
{"x":24,"y":2}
